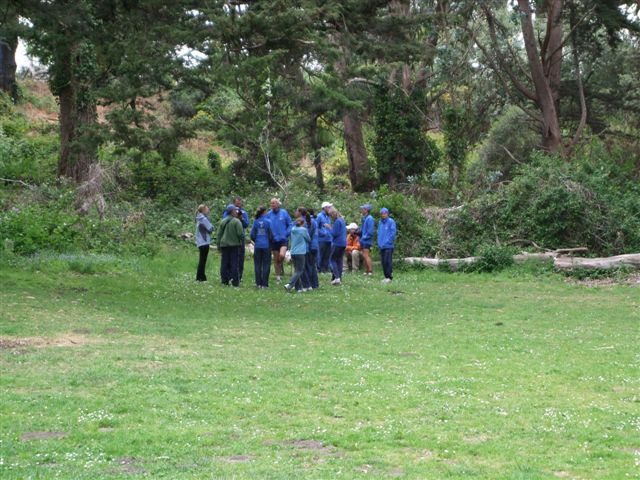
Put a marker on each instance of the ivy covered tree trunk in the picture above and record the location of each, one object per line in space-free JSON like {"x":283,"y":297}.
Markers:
{"x":8,"y":67}
{"x":356,"y":152}
{"x":317,"y":157}
{"x":78,"y":116}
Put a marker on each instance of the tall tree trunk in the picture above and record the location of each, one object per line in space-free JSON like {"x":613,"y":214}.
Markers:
{"x":356,"y":152}
{"x":551,"y":50}
{"x":357,"y":156}
{"x":8,"y":67}
{"x":78,"y":116}
{"x":551,"y":136}
{"x":317,"y":157}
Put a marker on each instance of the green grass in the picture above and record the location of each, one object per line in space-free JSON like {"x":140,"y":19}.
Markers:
{"x":149,"y":374}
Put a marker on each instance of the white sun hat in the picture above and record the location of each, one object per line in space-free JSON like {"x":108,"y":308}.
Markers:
{"x":326,"y":204}
{"x":352,"y":226}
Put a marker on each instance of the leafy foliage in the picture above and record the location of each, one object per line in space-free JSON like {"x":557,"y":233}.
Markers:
{"x":555,"y":204}
{"x":400,"y":146}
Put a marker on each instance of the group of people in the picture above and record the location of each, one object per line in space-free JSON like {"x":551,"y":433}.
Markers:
{"x":321,"y":243}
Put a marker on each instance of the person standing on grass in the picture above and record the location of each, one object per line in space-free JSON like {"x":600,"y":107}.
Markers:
{"x":305,"y":280}
{"x":338,"y":242}
{"x":352,"y":251}
{"x":324,"y":238}
{"x":230,"y":238}
{"x":366,"y":238}
{"x":311,"y":264}
{"x":281,"y":229}
{"x":261,"y":236}
{"x":386,"y":241}
{"x":299,"y":241}
{"x":244,"y":219}
{"x":203,"y":240}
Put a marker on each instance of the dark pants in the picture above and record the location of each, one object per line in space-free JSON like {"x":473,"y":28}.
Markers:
{"x":324,"y":256}
{"x":202,"y":263}
{"x":262,"y":265}
{"x":298,"y":266}
{"x":311,"y":267}
{"x":386,"y":257}
{"x":241,"y":253}
{"x":336,"y":262}
{"x":229,"y":265}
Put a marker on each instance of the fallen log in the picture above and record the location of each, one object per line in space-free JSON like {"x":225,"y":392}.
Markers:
{"x":559,"y":258}
{"x":455,"y":263}
{"x":567,"y":263}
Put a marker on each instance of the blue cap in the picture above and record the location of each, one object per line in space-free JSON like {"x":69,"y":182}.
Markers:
{"x":384,"y":210}
{"x":366,"y":206}
{"x":231,"y":207}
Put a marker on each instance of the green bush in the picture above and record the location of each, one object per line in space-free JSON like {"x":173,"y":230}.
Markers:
{"x":31,"y":159}
{"x":185,"y":177}
{"x":587,"y":202}
{"x":510,"y":141}
{"x":37,"y":228}
{"x":491,"y":258}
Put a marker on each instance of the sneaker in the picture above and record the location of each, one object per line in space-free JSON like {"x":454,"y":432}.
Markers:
{"x":386,"y":280}
{"x":287,"y":287}
{"x":337,"y":281}
{"x":278,"y":278}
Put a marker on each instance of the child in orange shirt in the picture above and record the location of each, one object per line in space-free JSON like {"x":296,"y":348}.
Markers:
{"x":353,"y":251}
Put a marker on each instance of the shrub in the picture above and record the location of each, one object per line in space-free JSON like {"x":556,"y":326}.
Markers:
{"x":509,"y":141}
{"x":555,"y":204}
{"x":491,"y":258}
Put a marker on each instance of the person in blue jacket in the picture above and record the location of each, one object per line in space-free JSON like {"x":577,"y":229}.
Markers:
{"x":312,"y":256}
{"x":244,"y":219}
{"x":203,"y":240}
{"x":281,"y":229}
{"x":324,"y":238}
{"x":386,"y":240}
{"x":338,"y":244}
{"x":366,"y":238}
{"x":261,"y":236}
{"x":299,"y":241}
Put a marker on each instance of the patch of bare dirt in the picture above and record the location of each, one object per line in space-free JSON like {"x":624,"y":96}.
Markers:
{"x":26,"y":437}
{"x":397,"y":472}
{"x":238,"y":458}
{"x":312,"y":445}
{"x":633,"y":280}
{"x":632,"y":451}
{"x":476,"y":439}
{"x":66,"y":340}
{"x":564,"y":474}
{"x":10,"y":344}
{"x":127,"y":466}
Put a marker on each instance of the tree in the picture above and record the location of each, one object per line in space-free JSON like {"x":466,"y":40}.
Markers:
{"x":538,"y":77}
{"x":401,"y":148}
{"x":110,"y":52}
{"x":9,"y":27}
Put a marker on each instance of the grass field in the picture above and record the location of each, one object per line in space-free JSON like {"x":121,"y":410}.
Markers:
{"x":129,"y":368}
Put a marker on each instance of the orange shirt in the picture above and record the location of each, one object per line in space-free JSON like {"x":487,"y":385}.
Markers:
{"x":353,"y":242}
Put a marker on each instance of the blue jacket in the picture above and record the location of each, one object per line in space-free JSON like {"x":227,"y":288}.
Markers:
{"x":261,"y":232}
{"x":313,"y":233}
{"x":339,"y":233}
{"x":203,"y":230}
{"x":299,"y":239}
{"x":366,"y":232}
{"x":280,"y":224}
{"x":386,"y":233}
{"x":244,"y":217}
{"x":324,"y":233}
